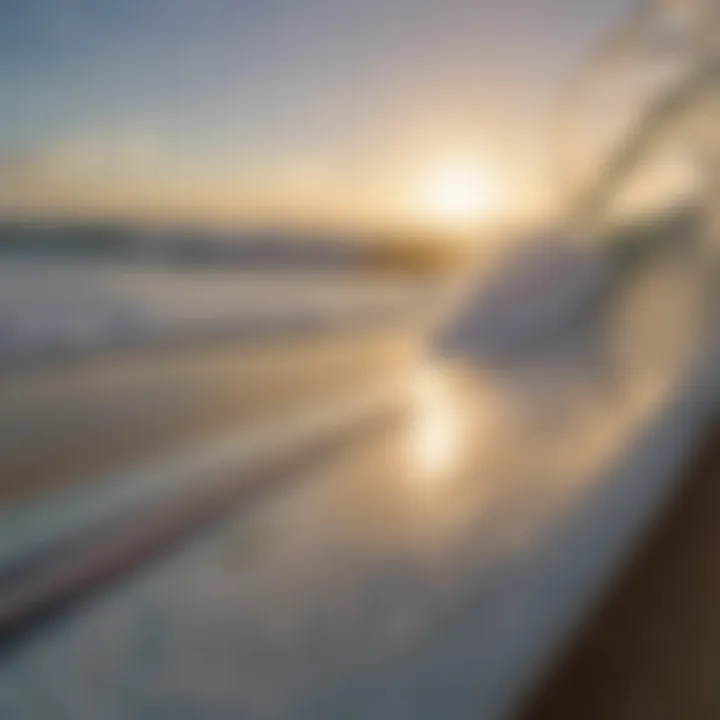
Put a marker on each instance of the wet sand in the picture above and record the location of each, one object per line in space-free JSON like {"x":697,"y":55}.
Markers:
{"x":71,"y":424}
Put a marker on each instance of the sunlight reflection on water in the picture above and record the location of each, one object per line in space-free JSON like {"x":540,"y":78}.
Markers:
{"x":437,"y":429}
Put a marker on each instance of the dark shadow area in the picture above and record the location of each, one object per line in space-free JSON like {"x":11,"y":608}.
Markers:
{"x":652,"y":651}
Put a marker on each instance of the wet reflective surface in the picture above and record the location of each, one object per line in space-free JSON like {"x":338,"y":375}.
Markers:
{"x":426,"y":571}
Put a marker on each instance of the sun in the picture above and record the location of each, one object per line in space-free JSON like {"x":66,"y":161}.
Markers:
{"x":458,"y":193}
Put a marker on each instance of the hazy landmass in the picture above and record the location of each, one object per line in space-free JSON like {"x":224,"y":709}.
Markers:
{"x":264,"y":248}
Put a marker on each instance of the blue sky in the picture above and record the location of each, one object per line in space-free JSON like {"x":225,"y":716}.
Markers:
{"x":247,"y":110}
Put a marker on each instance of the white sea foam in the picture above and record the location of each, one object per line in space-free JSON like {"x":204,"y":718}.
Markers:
{"x":76,"y":306}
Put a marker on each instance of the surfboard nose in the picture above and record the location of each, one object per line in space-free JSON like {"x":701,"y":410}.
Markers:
{"x":536,"y":290}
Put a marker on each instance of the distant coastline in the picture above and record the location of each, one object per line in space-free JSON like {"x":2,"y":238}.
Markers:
{"x":261,"y":249}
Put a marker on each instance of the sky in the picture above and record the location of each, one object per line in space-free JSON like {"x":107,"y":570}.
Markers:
{"x":301,"y":112}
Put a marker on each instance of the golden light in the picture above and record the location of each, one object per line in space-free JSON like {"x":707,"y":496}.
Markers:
{"x":459,"y":193}
{"x":436,"y":429}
